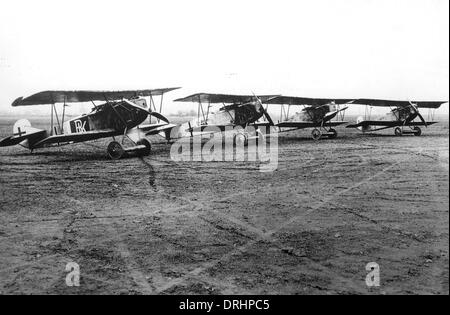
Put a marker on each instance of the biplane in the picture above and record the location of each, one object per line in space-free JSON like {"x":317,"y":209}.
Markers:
{"x":234,"y":111}
{"x":404,"y":116}
{"x":120,"y":114}
{"x":316,"y":113}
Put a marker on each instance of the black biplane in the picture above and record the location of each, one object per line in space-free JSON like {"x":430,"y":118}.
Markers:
{"x":403,"y":115}
{"x":121,"y":113}
{"x":317,"y":113}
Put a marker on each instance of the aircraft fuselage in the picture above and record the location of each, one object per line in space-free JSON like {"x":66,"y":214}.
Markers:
{"x":232,"y":115}
{"x":107,"y":116}
{"x":313,"y":114}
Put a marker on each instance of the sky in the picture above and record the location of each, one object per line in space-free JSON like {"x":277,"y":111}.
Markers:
{"x":390,"y":49}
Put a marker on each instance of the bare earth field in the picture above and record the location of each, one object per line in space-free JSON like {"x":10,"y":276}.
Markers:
{"x":154,"y":226}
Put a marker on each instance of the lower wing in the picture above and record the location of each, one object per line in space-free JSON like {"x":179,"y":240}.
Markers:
{"x":77,"y":137}
{"x":212,"y":128}
{"x":308,"y":124}
{"x":261,"y":124}
{"x":386,"y":123}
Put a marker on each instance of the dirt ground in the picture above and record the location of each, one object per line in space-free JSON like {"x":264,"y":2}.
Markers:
{"x":154,"y":226}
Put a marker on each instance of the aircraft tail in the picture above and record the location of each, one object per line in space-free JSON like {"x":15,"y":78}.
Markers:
{"x":23,"y":133}
{"x":362,"y":127}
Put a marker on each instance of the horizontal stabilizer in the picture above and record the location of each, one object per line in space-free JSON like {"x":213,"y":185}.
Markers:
{"x":21,"y":135}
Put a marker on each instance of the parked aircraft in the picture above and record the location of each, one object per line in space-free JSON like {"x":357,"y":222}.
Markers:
{"x":121,"y":114}
{"x":403,"y":116}
{"x":317,"y":113}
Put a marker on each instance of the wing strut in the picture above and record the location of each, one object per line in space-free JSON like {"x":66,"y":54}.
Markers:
{"x":51,"y":121}
{"x":431,"y":114}
{"x":368,"y":112}
{"x":57,"y":118}
{"x":203,"y":112}
{"x":63,"y":115}
{"x":161,"y":105}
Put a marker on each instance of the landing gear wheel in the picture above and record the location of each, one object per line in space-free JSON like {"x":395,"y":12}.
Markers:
{"x":240,"y":139}
{"x":316,"y":134}
{"x":148,"y":147}
{"x":398,"y":131}
{"x":333,"y":134}
{"x":417,"y":131}
{"x":115,"y":150}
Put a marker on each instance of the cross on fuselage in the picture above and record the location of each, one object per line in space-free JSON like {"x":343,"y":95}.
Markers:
{"x":19,"y":133}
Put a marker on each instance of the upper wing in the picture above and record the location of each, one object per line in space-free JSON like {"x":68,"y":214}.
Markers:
{"x":308,"y":124}
{"x":380,"y":123}
{"x":292,"y":100}
{"x":77,"y":137}
{"x":51,"y":97}
{"x":222,"y":98}
{"x":393,"y":103}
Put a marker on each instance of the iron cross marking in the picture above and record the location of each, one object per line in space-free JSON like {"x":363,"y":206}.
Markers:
{"x":20,"y":133}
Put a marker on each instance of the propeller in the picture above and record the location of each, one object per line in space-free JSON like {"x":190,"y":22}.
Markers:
{"x":158,"y":116}
{"x":416,"y":111}
{"x":266,"y":114}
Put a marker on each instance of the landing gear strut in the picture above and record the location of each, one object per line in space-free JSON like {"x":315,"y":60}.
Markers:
{"x":116,"y":151}
{"x":416,"y":131}
{"x":317,"y":134}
